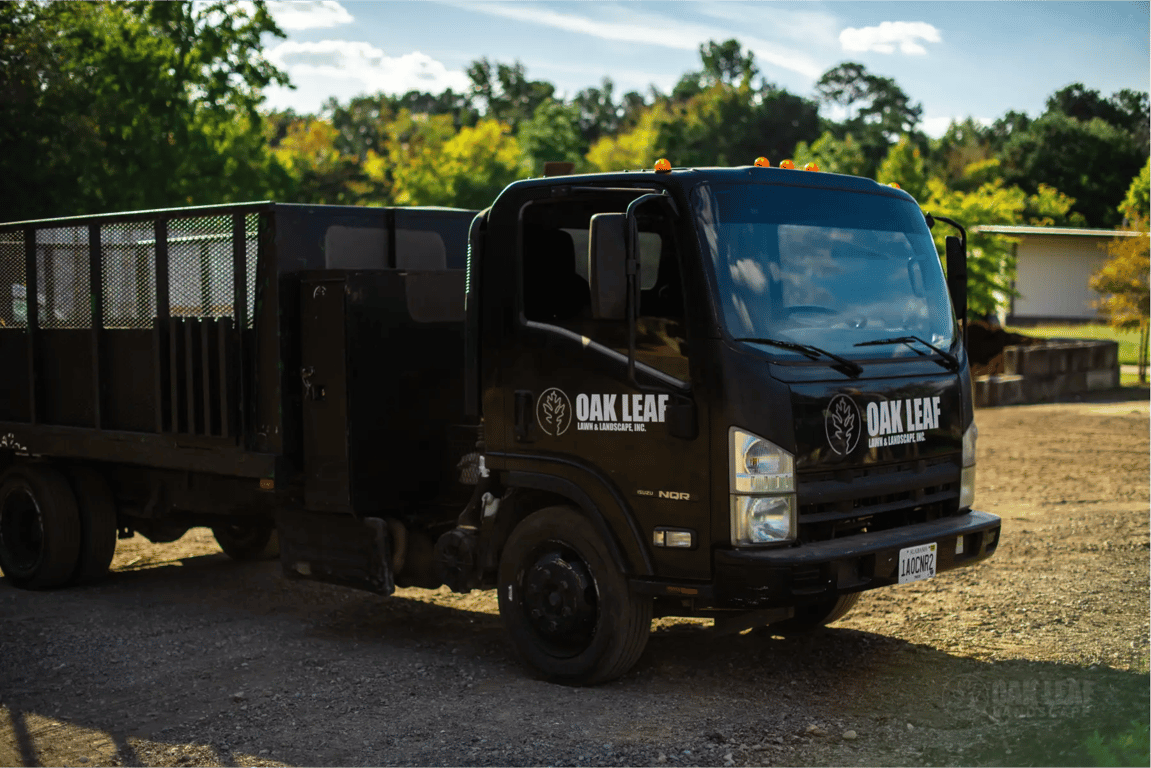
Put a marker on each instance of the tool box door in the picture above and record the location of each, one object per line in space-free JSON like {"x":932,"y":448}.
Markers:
{"x":323,"y":376}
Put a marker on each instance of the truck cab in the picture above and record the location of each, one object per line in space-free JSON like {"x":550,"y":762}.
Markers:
{"x":745,"y":387}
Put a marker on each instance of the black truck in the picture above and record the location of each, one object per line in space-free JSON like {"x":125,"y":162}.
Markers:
{"x":736,"y":393}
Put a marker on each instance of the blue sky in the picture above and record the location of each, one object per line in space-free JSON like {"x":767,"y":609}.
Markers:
{"x":957,"y":59}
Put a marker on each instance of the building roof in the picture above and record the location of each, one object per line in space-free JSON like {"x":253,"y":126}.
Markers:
{"x":1002,"y":230}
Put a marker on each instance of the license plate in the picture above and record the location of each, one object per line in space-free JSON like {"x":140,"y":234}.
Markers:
{"x":917,"y":563}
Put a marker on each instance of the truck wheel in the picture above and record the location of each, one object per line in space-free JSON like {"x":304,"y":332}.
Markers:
{"x":566,"y":606}
{"x":39,"y":527}
{"x":248,"y":541}
{"x":97,"y":525}
{"x":811,"y":617}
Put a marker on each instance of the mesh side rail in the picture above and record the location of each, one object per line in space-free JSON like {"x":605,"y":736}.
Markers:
{"x":13,"y":284}
{"x":201,"y":262}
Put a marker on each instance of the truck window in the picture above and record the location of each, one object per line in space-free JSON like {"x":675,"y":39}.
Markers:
{"x":827,"y":267}
{"x":556,"y":290}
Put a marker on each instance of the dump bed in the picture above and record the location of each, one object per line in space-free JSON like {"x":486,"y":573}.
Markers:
{"x":172,"y":339}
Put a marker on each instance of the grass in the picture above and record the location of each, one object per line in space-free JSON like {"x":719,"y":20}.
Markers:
{"x":1131,"y":380}
{"x":1128,"y":338}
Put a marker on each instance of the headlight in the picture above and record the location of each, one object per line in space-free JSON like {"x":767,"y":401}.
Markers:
{"x":762,"y":519}
{"x":759,"y":466}
{"x":969,"y":438}
{"x":967,"y":474}
{"x":762,"y":485}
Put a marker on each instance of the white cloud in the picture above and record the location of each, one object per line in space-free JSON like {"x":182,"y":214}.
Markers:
{"x":645,"y":29}
{"x":937,"y":126}
{"x":344,"y":69}
{"x":309,"y":14}
{"x":887,"y":35}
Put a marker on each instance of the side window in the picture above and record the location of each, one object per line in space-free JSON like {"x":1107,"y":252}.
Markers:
{"x":556,"y":290}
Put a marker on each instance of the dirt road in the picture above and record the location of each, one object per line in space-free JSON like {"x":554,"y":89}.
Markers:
{"x":182,"y":657}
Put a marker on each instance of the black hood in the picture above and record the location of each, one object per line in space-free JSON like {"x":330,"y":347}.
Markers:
{"x":875,"y":422}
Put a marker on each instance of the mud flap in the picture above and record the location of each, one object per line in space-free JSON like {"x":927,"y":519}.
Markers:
{"x":337,"y":549}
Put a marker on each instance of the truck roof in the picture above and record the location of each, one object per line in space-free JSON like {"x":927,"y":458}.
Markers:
{"x":686,"y":178}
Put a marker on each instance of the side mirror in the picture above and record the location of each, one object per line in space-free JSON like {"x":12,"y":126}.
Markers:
{"x":607,"y":266}
{"x":957,"y":275}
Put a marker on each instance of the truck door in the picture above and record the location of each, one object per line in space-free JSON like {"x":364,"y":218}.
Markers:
{"x":568,"y":401}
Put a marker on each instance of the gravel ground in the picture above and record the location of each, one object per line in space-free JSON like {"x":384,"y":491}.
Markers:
{"x":182,"y":657}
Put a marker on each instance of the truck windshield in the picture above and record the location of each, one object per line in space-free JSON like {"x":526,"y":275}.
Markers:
{"x":823,"y":267}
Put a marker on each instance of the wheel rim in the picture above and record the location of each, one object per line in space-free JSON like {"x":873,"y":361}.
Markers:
{"x":21,"y":531}
{"x":560,"y":601}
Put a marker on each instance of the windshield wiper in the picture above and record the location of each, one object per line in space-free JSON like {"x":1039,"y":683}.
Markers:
{"x":949,"y":361}
{"x":843,"y":365}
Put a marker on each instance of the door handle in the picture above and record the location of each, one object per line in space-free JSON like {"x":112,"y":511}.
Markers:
{"x":523,"y":415}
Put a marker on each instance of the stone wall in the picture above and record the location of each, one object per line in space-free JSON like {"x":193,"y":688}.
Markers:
{"x":1051,"y":371}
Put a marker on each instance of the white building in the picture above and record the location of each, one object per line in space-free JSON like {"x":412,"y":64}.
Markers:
{"x":1053,"y":269}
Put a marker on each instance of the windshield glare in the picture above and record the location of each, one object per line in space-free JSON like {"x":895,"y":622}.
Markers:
{"x":824,"y":267}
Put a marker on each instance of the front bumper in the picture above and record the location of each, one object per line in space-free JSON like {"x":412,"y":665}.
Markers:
{"x":768,"y":578}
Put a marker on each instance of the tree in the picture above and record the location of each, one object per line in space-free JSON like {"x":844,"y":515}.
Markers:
{"x":630,"y":150}
{"x":964,"y":143}
{"x":1090,"y":161}
{"x":597,"y":114}
{"x":132,"y":105}
{"x":724,"y":122}
{"x":878,"y":111}
{"x":319,"y":172}
{"x":506,"y":92}
{"x":990,"y":257}
{"x":550,"y":134}
{"x":1136,"y":206}
{"x":1123,"y":282}
{"x":832,"y":155}
{"x":466,"y":170}
{"x":904,"y":166}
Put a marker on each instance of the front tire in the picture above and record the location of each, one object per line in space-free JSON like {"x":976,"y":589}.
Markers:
{"x":567,"y":607}
{"x":811,"y":617}
{"x":248,"y":541}
{"x":39,"y":527}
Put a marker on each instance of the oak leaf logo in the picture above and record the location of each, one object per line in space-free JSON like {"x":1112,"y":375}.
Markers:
{"x":553,"y":412}
{"x":841,"y":424}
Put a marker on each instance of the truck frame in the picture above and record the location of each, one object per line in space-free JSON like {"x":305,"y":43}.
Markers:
{"x":610,"y":397}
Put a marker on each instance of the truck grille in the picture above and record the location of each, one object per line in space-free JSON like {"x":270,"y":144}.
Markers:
{"x":864,"y":500}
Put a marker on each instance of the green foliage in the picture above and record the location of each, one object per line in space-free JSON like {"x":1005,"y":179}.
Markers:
{"x":550,"y":134}
{"x":878,"y":111}
{"x":964,"y":144}
{"x":319,"y":172}
{"x":1132,"y":747}
{"x":466,"y":170}
{"x":1081,"y":154}
{"x":990,"y":258}
{"x":113,"y":106}
{"x":904,"y":166}
{"x":506,"y":91}
{"x":1123,"y":280}
{"x":627,"y":151}
{"x":1137,"y":205}
{"x":832,"y":155}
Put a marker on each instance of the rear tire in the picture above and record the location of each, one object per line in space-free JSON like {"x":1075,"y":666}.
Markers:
{"x":248,"y":541}
{"x":40,"y":529}
{"x":811,"y":617}
{"x":567,"y":607}
{"x":97,"y":525}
